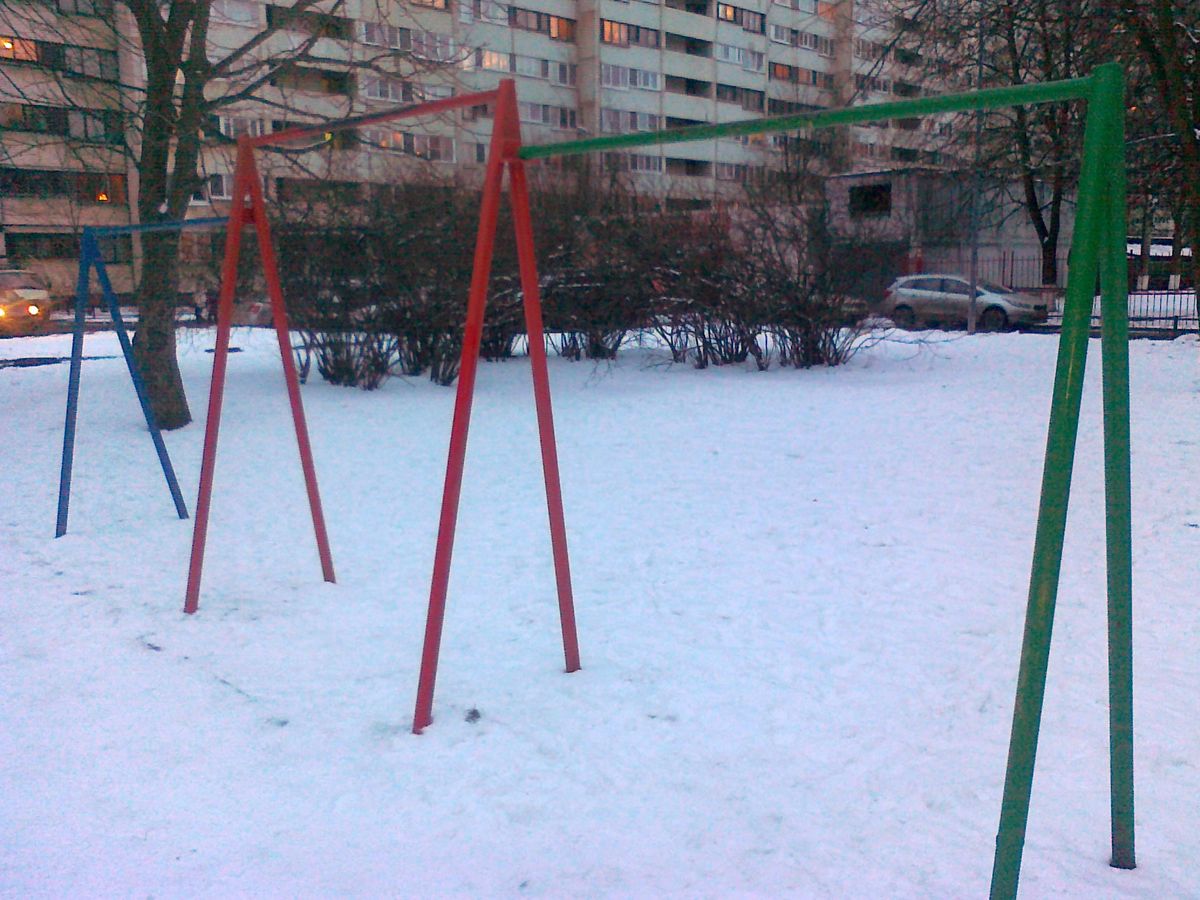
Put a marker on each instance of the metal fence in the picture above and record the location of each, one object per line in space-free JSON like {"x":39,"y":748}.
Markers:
{"x":1155,"y":310}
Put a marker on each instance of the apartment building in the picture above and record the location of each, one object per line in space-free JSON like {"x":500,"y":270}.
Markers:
{"x":583,"y":68}
{"x":61,"y":135}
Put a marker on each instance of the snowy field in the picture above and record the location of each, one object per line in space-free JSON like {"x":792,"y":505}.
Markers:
{"x":800,"y":599}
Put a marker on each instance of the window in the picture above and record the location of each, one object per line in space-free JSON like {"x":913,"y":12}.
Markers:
{"x":430,"y":146}
{"x":379,"y":87}
{"x":237,"y":12}
{"x":644,"y":79}
{"x":614,"y":32}
{"x":618,"y":121}
{"x":434,"y":92}
{"x":872,"y":83}
{"x":692,"y":168}
{"x":633,"y":162}
{"x":483,"y":11}
{"x":557,"y":27}
{"x":531,"y":66}
{"x":41,"y":119}
{"x":729,"y":53}
{"x":781,"y":34}
{"x":235,"y":126}
{"x":745,"y":97}
{"x":868,"y":200}
{"x":808,"y":40}
{"x":99,"y":126}
{"x":643,"y":37}
{"x":428,"y":45}
{"x":84,"y":187}
{"x":732,"y":171}
{"x":380,"y":35}
{"x":90,"y":62}
{"x":753,"y":61}
{"x":494,"y":60}
{"x":433,"y":147}
{"x":563,"y":73}
{"x":316,"y":81}
{"x":641,"y":162}
{"x":220,"y":187}
{"x":18,"y":49}
{"x":869,"y":50}
{"x":545,"y":114}
{"x":621,"y":34}
{"x":537,"y":113}
{"x":432,"y":4}
{"x":616,"y":77}
{"x":754,"y":22}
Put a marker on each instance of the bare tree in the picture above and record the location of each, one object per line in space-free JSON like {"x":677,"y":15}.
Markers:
{"x":182,"y":80}
{"x":1166,"y":35}
{"x":1035,"y":148}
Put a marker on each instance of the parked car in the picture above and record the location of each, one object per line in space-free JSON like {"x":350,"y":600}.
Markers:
{"x":24,"y":302}
{"x":944,"y":300}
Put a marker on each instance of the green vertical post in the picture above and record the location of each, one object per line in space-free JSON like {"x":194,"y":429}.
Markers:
{"x":1056,"y":483}
{"x":1114,"y":286}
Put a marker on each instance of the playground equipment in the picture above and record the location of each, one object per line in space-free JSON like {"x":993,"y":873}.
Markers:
{"x":1098,"y":250}
{"x":248,"y":190}
{"x":91,"y":258}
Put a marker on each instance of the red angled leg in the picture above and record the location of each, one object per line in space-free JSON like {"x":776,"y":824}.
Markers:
{"x":233,"y":244}
{"x":523,"y":225}
{"x":473,"y":333}
{"x":279,"y":317}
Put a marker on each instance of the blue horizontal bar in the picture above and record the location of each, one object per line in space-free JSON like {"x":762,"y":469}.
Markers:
{"x":101,"y":231}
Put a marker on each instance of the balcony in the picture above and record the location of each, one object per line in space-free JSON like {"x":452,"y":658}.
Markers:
{"x":690,"y":86}
{"x":678,"y":43}
{"x":697,"y":7}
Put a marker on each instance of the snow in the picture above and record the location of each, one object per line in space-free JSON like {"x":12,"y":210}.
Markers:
{"x":800,"y":599}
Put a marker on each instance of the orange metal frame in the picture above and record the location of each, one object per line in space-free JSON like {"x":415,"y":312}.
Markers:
{"x":249,"y":209}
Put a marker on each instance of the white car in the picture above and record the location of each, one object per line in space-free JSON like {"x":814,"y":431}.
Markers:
{"x":24,"y":302}
{"x":944,"y":299}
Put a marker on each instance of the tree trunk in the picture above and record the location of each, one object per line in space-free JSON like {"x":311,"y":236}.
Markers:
{"x":1050,"y":262}
{"x":154,"y":345}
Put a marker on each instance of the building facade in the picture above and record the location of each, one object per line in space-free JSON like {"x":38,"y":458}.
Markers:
{"x":582,"y":67}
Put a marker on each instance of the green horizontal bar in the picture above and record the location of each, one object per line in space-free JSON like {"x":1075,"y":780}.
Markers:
{"x":990,"y":98}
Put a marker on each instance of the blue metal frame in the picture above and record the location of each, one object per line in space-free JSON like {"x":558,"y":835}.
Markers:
{"x":89,"y":258}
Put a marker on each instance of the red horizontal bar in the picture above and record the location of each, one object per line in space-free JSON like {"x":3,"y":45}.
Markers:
{"x":387,"y":115}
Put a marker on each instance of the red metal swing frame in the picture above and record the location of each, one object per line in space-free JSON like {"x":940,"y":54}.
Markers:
{"x":249,"y":209}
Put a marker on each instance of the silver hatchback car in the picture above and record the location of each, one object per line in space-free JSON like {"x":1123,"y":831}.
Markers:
{"x":944,"y":299}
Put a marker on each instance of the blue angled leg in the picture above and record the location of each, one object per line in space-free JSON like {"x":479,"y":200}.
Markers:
{"x":114,"y":310}
{"x":68,"y":454}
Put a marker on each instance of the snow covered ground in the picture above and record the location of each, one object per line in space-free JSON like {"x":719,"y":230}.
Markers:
{"x":800,"y":600}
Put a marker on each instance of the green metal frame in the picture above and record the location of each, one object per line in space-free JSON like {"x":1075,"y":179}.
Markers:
{"x":1097,"y":251}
